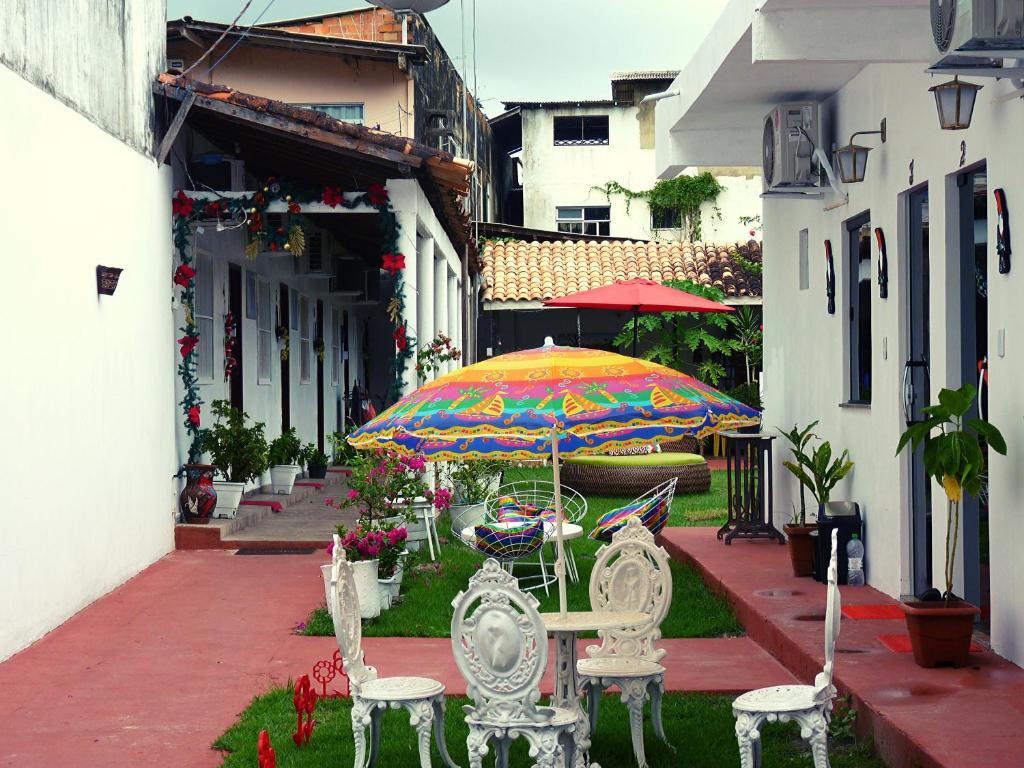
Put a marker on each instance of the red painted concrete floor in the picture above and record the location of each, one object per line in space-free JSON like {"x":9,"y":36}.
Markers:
{"x":960,"y":718}
{"x":152,"y":673}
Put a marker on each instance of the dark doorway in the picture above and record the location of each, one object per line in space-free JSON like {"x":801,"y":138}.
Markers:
{"x":343,"y":414}
{"x":320,"y":346}
{"x":284,"y":322}
{"x":973,"y":188}
{"x":916,"y":384}
{"x":235,"y":304}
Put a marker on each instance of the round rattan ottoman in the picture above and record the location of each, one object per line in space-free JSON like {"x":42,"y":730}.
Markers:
{"x":631,"y":476}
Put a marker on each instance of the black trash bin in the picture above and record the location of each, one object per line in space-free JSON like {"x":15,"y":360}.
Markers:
{"x":843,"y":516}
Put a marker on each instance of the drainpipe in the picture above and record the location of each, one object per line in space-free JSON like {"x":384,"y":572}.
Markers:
{"x":658,"y":96}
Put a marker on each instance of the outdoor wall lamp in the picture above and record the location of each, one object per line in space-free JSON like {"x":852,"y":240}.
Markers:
{"x":955,"y":102}
{"x":107,"y":279}
{"x":853,"y":158}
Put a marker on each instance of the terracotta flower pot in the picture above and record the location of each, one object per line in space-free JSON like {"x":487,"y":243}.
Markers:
{"x":940,"y":633}
{"x":801,"y":548}
{"x":198,"y":498}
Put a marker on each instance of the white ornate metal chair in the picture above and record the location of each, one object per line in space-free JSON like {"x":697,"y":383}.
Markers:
{"x":631,"y":574}
{"x":372,"y":695}
{"x":808,"y":705}
{"x":501,"y":648}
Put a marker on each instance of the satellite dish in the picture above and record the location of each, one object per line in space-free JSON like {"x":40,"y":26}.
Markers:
{"x":417,"y":6}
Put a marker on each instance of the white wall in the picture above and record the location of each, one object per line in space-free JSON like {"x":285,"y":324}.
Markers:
{"x":88,"y":433}
{"x":805,"y":374}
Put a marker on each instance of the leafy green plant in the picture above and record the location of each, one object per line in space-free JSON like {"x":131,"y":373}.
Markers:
{"x":344,"y":454}
{"x":748,"y":394}
{"x":685,"y":195}
{"x":318,"y":458}
{"x":471,"y":481}
{"x":798,"y":441}
{"x":820,"y":472}
{"x":285,"y":448}
{"x":953,"y":457}
{"x":306,"y":453}
{"x":239,"y":452}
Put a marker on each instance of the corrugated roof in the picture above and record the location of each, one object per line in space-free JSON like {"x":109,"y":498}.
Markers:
{"x":556,"y":104}
{"x":521,"y":270}
{"x":645,"y":74}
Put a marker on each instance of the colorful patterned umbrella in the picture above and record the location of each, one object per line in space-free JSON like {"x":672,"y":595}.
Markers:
{"x":550,"y":401}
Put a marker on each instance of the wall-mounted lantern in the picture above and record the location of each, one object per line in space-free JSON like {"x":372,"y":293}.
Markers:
{"x":106,"y":279}
{"x":853,"y":158}
{"x":955,"y":102}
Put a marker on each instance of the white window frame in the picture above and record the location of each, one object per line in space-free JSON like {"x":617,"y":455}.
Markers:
{"x":264,"y":332}
{"x":324,"y":106}
{"x":305,"y":341}
{"x":582,"y":225}
{"x":205,"y":281}
{"x":335,"y":346}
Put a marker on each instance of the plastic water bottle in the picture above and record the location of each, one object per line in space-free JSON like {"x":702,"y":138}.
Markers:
{"x":855,"y":561}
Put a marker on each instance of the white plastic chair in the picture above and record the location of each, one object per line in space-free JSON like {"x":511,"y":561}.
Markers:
{"x":631,"y":574}
{"x":501,"y":648}
{"x":422,"y":697}
{"x":808,"y":705}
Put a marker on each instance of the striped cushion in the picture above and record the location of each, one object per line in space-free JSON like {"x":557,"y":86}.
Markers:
{"x":509,"y":543}
{"x":653,"y":514}
{"x":510,"y":510}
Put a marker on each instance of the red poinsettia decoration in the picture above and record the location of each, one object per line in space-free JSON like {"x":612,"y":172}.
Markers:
{"x":183,"y":275}
{"x":265,"y":752}
{"x":394,"y":263}
{"x":400,"y":338}
{"x":304,"y":700}
{"x":188,"y":344}
{"x":294,"y":207}
{"x":193,"y":415}
{"x":377,"y":195}
{"x":333,"y":197}
{"x":181,"y":204}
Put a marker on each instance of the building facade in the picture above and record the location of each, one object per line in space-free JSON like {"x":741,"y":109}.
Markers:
{"x":924,"y":281}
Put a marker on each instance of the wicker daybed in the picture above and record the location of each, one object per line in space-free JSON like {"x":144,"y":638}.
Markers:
{"x":634,"y":475}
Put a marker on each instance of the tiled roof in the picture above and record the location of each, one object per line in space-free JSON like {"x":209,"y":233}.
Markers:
{"x":520,"y":270}
{"x":646,"y":74}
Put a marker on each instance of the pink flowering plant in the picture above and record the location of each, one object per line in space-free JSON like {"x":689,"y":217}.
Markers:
{"x":430,"y":358}
{"x":382,"y":477}
{"x":383,"y":543}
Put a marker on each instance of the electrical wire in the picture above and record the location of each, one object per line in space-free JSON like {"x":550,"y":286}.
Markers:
{"x":241,"y":37}
{"x":219,"y":39}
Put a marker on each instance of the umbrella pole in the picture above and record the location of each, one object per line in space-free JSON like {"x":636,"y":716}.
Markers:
{"x":559,"y":517}
{"x":579,"y":329}
{"x":636,"y":329}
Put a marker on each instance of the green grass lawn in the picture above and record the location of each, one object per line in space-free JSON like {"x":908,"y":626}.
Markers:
{"x":699,"y":727}
{"x":429,"y":588}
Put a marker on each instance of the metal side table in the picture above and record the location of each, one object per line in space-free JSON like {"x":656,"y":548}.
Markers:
{"x":748,"y":461}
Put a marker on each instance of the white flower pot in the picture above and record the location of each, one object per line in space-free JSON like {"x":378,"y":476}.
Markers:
{"x":390,"y":588}
{"x":229,"y":496}
{"x":467,"y":515}
{"x":282,"y":477}
{"x":365,"y":573}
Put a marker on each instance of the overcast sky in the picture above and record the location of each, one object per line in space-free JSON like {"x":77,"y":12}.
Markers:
{"x":529,"y":49}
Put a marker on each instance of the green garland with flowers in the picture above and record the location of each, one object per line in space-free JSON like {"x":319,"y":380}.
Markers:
{"x":250,"y":210}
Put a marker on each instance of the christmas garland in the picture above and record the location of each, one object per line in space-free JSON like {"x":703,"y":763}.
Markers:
{"x":230,"y":341}
{"x":250,"y":211}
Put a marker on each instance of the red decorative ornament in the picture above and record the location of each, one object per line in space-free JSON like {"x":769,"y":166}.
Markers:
{"x":260,"y":198}
{"x":326,"y":670}
{"x":394,"y":263}
{"x":183,"y":275}
{"x":181,"y":204}
{"x":188,"y":344}
{"x":294,"y":207}
{"x":333,"y":197}
{"x":212,"y":208}
{"x":265,"y":753}
{"x":193,"y":415}
{"x":304,"y":701}
{"x":400,"y":338}
{"x":377,"y":195}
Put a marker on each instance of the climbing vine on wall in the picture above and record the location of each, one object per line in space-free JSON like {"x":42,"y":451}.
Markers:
{"x":250,"y":211}
{"x":683,"y":194}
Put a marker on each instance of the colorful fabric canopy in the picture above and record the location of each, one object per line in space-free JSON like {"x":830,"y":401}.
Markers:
{"x":505,"y":407}
{"x":641,"y":295}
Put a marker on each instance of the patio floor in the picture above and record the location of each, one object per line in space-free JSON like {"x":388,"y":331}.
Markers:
{"x":957,"y":718}
{"x":153,"y":672}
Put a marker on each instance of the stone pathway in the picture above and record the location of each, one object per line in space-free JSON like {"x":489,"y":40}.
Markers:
{"x":155,"y":671}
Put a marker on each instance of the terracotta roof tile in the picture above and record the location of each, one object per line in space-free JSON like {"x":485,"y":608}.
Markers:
{"x":521,"y":270}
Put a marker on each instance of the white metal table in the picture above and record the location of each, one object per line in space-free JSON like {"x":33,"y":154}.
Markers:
{"x":564,"y":628}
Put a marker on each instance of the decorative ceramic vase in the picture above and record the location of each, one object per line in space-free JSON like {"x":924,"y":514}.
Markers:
{"x":365,"y":574}
{"x":282,"y":477}
{"x":198,"y":498}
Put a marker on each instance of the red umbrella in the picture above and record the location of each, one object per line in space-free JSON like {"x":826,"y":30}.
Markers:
{"x":640,"y":296}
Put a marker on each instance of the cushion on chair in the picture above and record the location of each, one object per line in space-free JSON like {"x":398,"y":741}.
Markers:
{"x":511,"y":510}
{"x":504,"y":541}
{"x":644,"y":460}
{"x":653,"y":513}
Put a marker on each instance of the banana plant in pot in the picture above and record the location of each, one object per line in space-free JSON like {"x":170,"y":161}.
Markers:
{"x":238,"y":450}
{"x":284,"y":461}
{"x":940,"y":628}
{"x":818,"y":473}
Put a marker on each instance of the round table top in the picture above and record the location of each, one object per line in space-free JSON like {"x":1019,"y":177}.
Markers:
{"x":582,"y":621}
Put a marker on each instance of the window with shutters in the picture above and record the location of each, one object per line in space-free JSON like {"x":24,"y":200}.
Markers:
{"x":204,"y":317}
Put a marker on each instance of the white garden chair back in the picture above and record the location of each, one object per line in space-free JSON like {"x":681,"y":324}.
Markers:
{"x":808,"y":705}
{"x":631,"y":574}
{"x":501,"y":649}
{"x":422,"y":697}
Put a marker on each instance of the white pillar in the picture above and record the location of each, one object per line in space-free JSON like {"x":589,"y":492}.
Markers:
{"x":403,"y":200}
{"x":425,"y":282}
{"x":441,"y":295}
{"x":454,"y":307}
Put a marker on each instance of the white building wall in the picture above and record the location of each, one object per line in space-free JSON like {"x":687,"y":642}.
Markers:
{"x":805,"y":372}
{"x":88,"y":435}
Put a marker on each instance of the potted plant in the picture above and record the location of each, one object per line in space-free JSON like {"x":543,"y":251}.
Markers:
{"x":284,"y":455}
{"x":316,"y":464}
{"x":239,"y":452}
{"x":389,"y":562}
{"x":471,"y":482}
{"x":818,"y":473}
{"x":344,"y":454}
{"x":940,"y":628}
{"x":305,"y":455}
{"x":362,"y":548}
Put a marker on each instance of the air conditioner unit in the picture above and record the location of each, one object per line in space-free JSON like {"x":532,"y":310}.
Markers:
{"x":990,"y":29}
{"x":792,"y":132}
